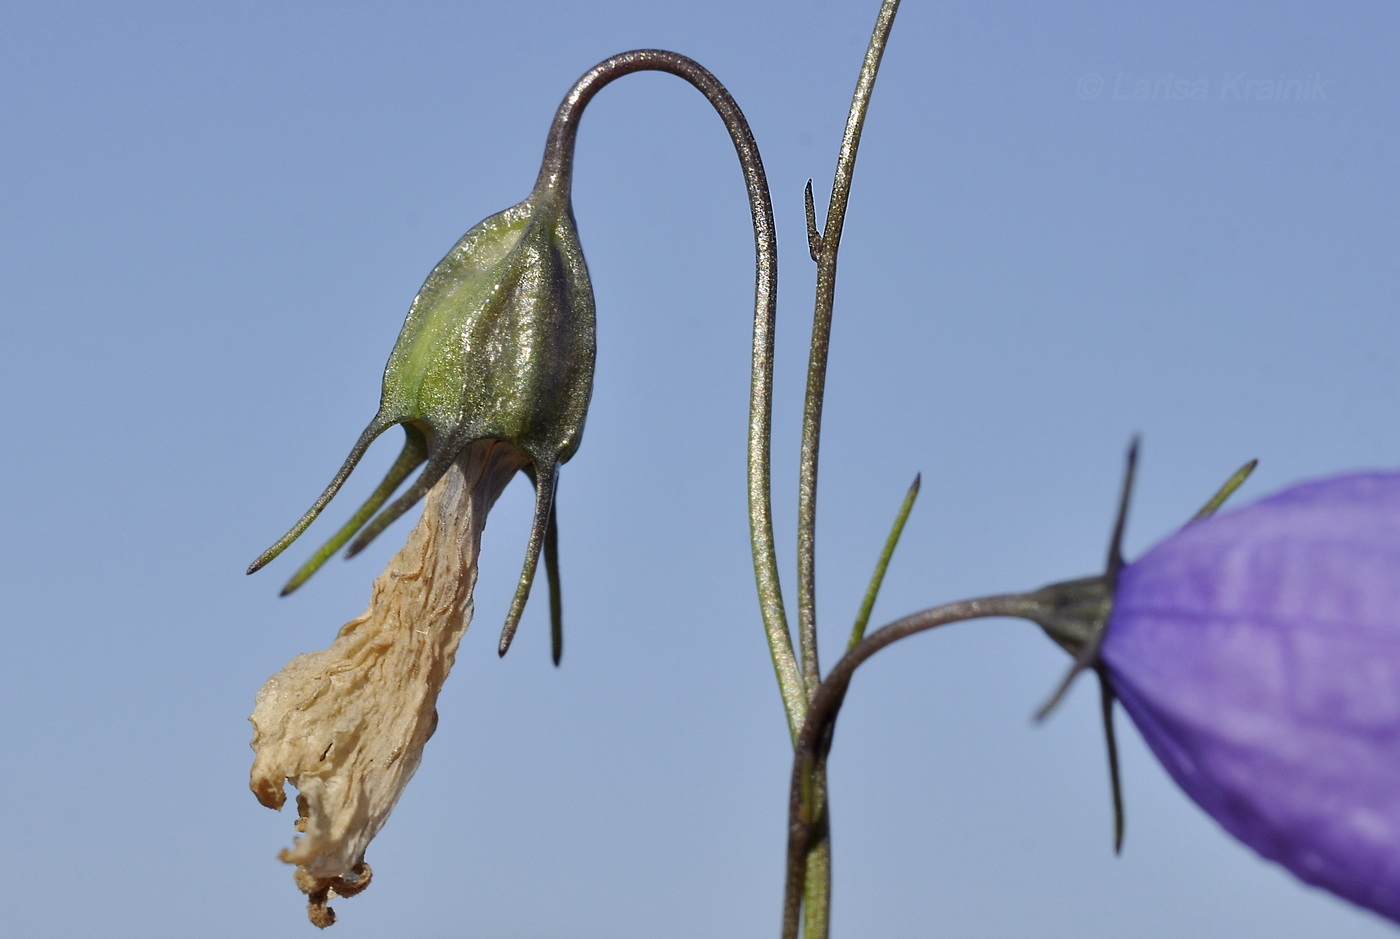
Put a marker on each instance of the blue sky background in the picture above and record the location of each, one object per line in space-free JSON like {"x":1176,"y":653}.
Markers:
{"x":215,"y":216}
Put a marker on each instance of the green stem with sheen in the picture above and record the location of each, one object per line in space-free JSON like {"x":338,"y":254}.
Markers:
{"x":824,"y":246}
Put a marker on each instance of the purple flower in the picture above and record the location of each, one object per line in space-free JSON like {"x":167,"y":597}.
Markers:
{"x":1258,"y":652}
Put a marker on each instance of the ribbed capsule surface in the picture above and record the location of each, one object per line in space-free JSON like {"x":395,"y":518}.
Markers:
{"x":499,"y":343}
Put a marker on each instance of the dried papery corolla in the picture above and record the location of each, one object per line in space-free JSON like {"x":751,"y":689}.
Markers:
{"x":498,"y":345}
{"x":1258,"y":653}
{"x":347,"y":725}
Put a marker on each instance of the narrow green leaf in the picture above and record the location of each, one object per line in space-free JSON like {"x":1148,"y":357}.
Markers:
{"x":876,"y":579}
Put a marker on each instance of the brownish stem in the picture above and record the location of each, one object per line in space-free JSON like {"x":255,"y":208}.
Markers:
{"x":807,"y":818}
{"x":556,"y":173}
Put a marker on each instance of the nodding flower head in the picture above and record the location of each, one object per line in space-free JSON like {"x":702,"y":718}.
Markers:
{"x":498,"y":345}
{"x":1258,"y":653}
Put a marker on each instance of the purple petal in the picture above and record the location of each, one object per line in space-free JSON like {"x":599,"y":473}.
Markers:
{"x":1258,"y":652}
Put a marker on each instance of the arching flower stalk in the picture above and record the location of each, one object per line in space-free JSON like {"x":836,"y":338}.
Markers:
{"x":491,"y":374}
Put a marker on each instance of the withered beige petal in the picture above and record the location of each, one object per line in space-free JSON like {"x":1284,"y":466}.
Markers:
{"x":346,"y":726}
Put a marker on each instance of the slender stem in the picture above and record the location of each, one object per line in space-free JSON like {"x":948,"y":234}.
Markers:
{"x":556,"y":173}
{"x":806,"y":802}
{"x":816,"y":879}
{"x":816,"y":867}
{"x":830,"y":242}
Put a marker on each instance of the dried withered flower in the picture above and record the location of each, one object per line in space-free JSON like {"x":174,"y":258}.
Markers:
{"x":347,"y":725}
{"x":491,"y":374}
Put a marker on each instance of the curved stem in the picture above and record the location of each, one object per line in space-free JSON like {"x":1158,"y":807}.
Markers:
{"x":556,"y":173}
{"x":830,"y":243}
{"x":807,"y":805}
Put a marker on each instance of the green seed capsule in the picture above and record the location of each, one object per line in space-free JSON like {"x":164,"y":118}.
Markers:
{"x":499,"y":344}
